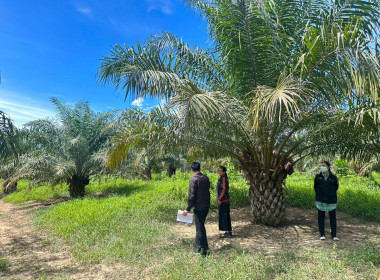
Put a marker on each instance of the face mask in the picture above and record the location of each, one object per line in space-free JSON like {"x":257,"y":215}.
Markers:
{"x":323,"y":169}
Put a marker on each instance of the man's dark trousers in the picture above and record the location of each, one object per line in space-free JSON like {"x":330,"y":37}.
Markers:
{"x":200,"y":244}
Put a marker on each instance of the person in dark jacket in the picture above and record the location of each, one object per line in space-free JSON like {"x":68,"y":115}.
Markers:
{"x":326,"y":186}
{"x":199,"y":200}
{"x":223,"y":189}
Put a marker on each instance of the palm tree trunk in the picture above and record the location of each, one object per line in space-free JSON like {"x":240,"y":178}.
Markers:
{"x":267,"y":199}
{"x":77,"y":186}
{"x":9,"y":186}
{"x":171,"y":170}
{"x":265,"y":192}
{"x":147,"y":174}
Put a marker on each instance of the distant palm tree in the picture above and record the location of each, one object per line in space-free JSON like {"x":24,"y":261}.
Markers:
{"x":9,"y":151}
{"x":145,"y":160}
{"x":279,"y":80}
{"x":7,"y":137}
{"x":70,"y":150}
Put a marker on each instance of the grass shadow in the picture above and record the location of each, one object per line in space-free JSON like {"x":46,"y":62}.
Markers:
{"x":125,"y":190}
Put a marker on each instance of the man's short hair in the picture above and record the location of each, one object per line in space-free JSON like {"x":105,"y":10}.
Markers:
{"x":196,"y":166}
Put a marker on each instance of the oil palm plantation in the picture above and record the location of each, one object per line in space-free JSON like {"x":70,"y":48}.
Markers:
{"x":69,"y":150}
{"x":281,"y":80}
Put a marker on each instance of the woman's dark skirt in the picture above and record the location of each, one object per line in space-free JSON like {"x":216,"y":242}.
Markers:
{"x":224,"y":217}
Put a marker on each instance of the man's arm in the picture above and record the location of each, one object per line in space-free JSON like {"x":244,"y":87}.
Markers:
{"x":192,"y":195}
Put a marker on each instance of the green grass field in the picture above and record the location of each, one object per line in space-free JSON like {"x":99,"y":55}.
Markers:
{"x":129,"y":222}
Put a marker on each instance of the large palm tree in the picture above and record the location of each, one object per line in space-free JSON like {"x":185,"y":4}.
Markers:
{"x":70,"y":149}
{"x":279,"y":80}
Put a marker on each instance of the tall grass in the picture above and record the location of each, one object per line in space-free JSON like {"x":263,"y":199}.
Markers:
{"x":357,"y":196}
{"x":43,"y":192}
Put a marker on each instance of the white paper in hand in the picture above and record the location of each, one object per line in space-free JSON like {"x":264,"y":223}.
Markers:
{"x":184,"y":219}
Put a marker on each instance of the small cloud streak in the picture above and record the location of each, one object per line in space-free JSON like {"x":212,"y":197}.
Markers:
{"x":23,"y":109}
{"x":85,"y":11}
{"x":163,"y":6}
{"x":138,"y":102}
{"x":22,"y":114}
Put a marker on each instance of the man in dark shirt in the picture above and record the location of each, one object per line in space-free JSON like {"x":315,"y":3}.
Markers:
{"x":199,"y":200}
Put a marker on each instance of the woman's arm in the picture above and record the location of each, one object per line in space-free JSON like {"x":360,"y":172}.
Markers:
{"x":223,"y":188}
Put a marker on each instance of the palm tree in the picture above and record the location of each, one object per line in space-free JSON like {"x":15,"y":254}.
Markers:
{"x":70,"y":150}
{"x":9,"y":151}
{"x":279,"y":79}
{"x":7,"y":139}
{"x":141,"y":161}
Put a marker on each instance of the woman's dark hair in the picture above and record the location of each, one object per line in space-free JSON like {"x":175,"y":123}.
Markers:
{"x":196,"y":166}
{"x":223,"y":168}
{"x":327,"y":163}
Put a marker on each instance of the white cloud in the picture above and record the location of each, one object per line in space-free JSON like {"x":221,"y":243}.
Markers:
{"x":85,"y":11}
{"x":138,"y":102}
{"x":164,"y":6}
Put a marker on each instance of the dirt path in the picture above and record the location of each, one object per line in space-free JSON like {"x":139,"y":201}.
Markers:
{"x":29,"y":253}
{"x":300,"y":231}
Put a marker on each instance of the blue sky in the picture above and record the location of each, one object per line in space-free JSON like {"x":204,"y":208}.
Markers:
{"x":52,"y":48}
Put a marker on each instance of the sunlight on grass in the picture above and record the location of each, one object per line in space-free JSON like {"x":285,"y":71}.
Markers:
{"x":130,"y":222}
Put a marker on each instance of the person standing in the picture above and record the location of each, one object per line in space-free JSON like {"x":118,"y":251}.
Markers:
{"x":223,"y":188}
{"x":326,"y":186}
{"x":199,"y":200}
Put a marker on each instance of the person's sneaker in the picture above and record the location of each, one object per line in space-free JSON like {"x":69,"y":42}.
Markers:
{"x":335,"y":238}
{"x":323,"y":238}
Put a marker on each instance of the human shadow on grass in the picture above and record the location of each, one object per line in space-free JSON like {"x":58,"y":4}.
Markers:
{"x":36,"y":204}
{"x":40,"y":271}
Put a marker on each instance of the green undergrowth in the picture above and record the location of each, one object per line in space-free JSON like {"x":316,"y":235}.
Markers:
{"x":42,"y":192}
{"x":357,"y":196}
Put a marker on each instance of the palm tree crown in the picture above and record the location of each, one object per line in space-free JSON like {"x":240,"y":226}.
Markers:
{"x":281,"y":80}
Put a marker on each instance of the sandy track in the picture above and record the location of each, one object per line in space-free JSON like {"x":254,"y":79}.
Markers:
{"x":28,"y":251}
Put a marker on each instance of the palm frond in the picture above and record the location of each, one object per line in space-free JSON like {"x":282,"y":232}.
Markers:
{"x":286,"y":99}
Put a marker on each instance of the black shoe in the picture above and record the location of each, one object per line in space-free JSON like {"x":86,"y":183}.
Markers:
{"x":227,"y":235}
{"x":206,"y":253}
